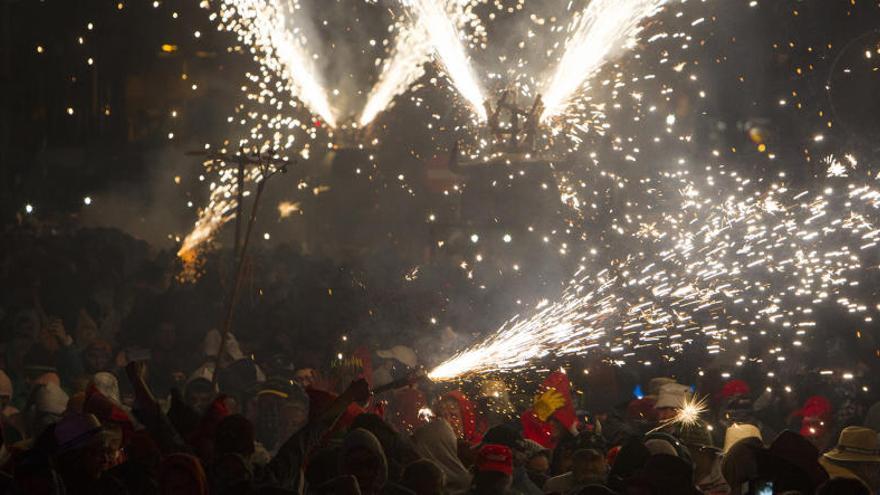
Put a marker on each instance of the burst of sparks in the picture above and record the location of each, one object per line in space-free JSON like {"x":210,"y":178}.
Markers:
{"x":446,"y":42}
{"x":719,"y":269}
{"x":602,"y":29}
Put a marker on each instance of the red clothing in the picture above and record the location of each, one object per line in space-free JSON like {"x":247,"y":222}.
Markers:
{"x":473,"y":428}
{"x":542,"y":431}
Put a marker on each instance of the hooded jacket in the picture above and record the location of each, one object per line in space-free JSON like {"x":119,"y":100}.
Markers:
{"x":360,"y":439}
{"x":436,"y":442}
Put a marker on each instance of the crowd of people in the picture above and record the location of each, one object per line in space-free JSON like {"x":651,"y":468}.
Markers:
{"x":103,"y":389}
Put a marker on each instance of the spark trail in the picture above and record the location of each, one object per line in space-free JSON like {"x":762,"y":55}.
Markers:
{"x":759,"y":263}
{"x":445,"y":41}
{"x":604,"y":28}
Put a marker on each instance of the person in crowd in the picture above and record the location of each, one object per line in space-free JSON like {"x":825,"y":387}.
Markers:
{"x":552,"y":416}
{"x":856,"y":456}
{"x":424,"y":477}
{"x":493,"y":471}
{"x":671,"y":398}
{"x":706,"y":458}
{"x":537,"y":462}
{"x":513,"y":439}
{"x":362,"y":457}
{"x":588,"y":467}
{"x":436,"y":442}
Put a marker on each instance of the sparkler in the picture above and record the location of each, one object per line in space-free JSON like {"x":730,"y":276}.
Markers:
{"x":688,"y":414}
{"x":602,"y":29}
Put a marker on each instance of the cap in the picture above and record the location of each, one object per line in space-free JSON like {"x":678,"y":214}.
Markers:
{"x":495,"y":458}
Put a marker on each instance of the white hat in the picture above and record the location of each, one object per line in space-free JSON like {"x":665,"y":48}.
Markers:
{"x":740,"y":431}
{"x":51,"y":399}
{"x":108,"y":385}
{"x":211,"y":345}
{"x":401,"y":353}
{"x":672,"y":395}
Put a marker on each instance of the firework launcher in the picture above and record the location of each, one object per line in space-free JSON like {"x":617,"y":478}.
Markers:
{"x":512,"y":134}
{"x":513,"y":128}
{"x":409,"y":380}
{"x":352,"y":135}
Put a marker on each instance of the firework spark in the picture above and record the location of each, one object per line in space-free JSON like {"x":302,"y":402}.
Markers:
{"x":602,"y":29}
{"x":715,"y":271}
{"x":446,"y":43}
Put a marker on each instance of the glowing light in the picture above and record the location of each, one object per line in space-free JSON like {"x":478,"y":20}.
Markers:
{"x":599,"y":32}
{"x":446,"y":42}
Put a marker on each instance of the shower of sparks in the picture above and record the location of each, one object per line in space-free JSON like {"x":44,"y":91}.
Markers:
{"x":604,"y":28}
{"x":268,"y":27}
{"x":446,"y":41}
{"x":718,"y":270}
{"x":412,"y":49}
{"x":399,"y":71}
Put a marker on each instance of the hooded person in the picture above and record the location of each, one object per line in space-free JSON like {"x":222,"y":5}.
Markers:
{"x":362,"y":457}
{"x":552,"y":414}
{"x":436,"y":442}
{"x":461,"y":415}
{"x":856,"y":455}
{"x":399,"y":451}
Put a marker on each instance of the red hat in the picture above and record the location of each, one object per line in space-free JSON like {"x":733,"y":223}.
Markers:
{"x":815,"y":407}
{"x":495,"y":458}
{"x":734,"y":388}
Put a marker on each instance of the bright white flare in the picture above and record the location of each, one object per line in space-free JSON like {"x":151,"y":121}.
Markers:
{"x":446,"y":43}
{"x":603,"y":29}
{"x":267,"y":27}
{"x":411,"y":49}
{"x":717,"y":262}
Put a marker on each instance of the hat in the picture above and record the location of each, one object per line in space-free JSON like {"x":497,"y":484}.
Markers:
{"x":656,"y":384}
{"x":734,"y":388}
{"x":211,"y":345}
{"x":495,"y":458}
{"x":856,"y":444}
{"x":76,"y":430}
{"x":672,"y":395}
{"x":740,"y":431}
{"x":50,"y":398}
{"x":507,"y":436}
{"x":696,"y":435}
{"x":794,"y":450}
{"x":401,"y":353}
{"x":108,"y":385}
